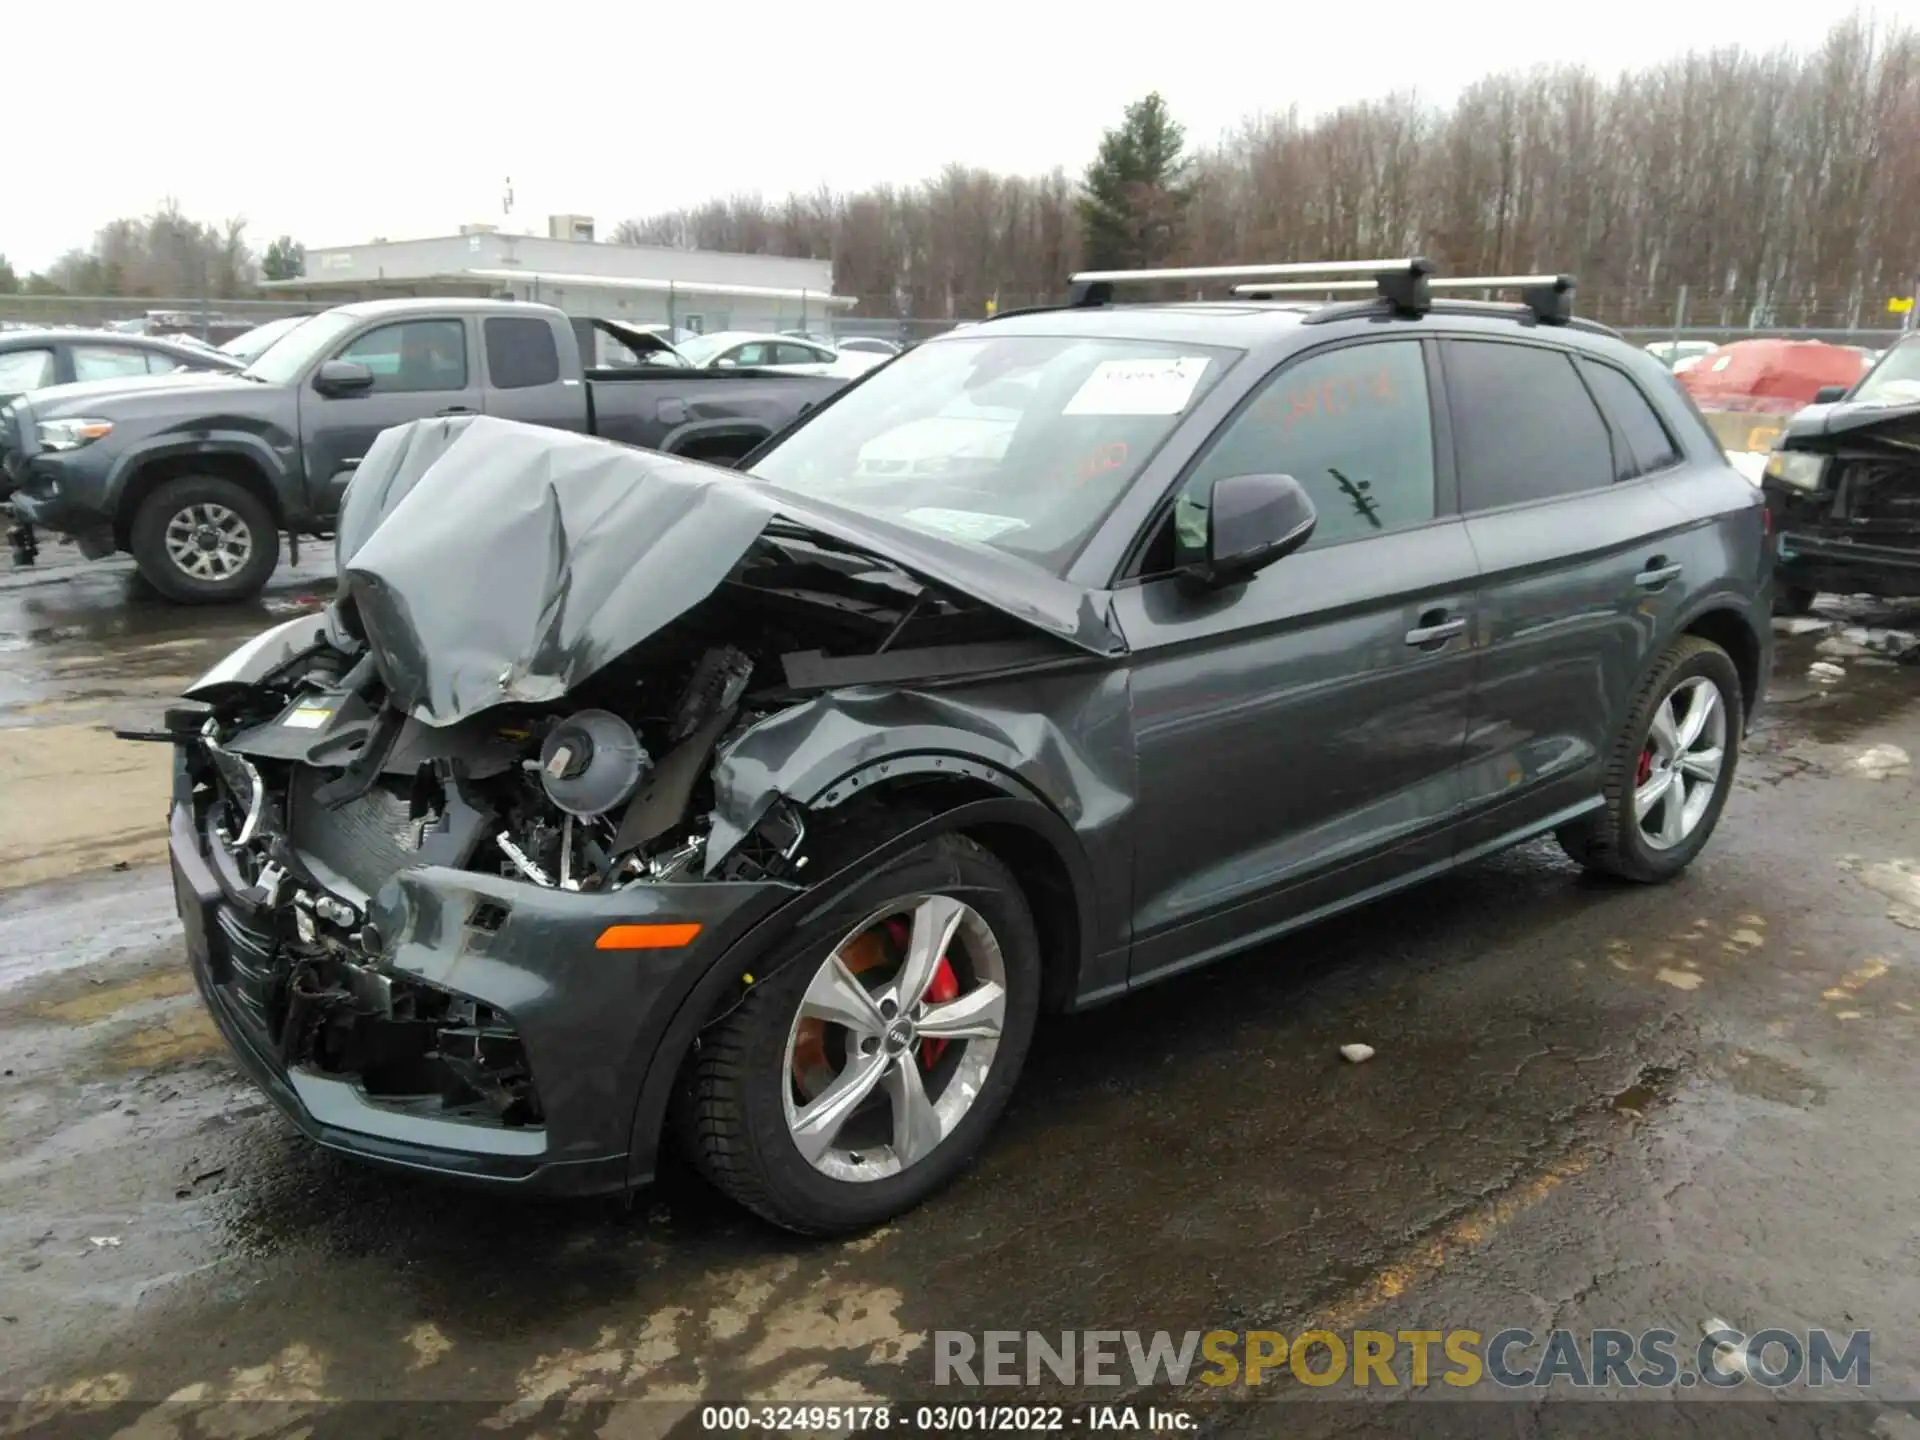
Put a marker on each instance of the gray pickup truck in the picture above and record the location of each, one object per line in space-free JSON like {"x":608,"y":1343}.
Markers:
{"x":196,"y":477}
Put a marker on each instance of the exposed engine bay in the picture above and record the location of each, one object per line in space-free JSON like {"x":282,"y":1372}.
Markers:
{"x":320,"y":774}
{"x":562,"y":725}
{"x":313,"y":789}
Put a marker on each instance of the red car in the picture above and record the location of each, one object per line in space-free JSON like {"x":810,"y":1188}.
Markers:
{"x":1774,"y":377}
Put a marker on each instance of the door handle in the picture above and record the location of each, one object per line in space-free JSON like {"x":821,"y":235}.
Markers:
{"x":1434,"y":630}
{"x":1658,"y":572}
{"x":456,"y":410}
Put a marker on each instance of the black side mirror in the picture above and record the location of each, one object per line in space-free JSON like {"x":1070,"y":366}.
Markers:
{"x":1250,"y":522}
{"x":343,"y":377}
{"x":1827,"y":394}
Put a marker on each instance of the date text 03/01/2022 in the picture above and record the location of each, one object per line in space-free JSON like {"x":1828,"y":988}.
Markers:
{"x":940,"y":1419}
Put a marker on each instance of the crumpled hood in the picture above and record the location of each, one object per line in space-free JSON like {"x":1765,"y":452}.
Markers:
{"x":491,"y":561}
{"x":1892,"y":430}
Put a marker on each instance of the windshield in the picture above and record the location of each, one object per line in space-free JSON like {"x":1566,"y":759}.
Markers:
{"x":256,"y":342}
{"x":702,"y":348}
{"x":1895,"y":380}
{"x":284,"y":363}
{"x":1021,"y":442}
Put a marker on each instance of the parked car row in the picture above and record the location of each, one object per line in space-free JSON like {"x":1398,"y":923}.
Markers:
{"x":196,"y":463}
{"x":37,"y":359}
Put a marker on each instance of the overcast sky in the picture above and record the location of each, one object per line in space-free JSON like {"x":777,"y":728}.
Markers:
{"x":339,"y":121}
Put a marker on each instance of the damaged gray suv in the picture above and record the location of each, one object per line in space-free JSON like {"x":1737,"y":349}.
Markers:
{"x":618,"y":796}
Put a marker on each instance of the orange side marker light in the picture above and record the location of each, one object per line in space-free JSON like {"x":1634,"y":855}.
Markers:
{"x":646,"y":937}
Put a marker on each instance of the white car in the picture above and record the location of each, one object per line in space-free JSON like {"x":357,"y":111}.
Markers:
{"x":744,"y":349}
{"x":250,"y":345}
{"x":1678,"y":355}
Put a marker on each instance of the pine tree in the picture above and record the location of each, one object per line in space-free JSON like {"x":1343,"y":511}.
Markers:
{"x":286,"y":259}
{"x":1135,"y":193}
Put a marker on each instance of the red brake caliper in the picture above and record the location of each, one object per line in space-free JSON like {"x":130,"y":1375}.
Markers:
{"x":945,"y":986}
{"x":1644,"y":772}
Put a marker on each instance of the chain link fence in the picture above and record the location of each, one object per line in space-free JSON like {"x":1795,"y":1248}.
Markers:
{"x":1839,"y":320}
{"x":1842,"y":321}
{"x":212,"y":320}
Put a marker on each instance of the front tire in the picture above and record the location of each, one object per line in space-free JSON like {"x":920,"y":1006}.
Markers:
{"x":1670,"y":770}
{"x":867,"y":1066}
{"x":205,"y":540}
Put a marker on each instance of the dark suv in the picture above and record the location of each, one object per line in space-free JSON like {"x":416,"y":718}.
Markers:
{"x":1058,"y":656}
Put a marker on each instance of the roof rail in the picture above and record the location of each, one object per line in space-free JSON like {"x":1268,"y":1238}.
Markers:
{"x":1404,"y":281}
{"x":1549,"y":297}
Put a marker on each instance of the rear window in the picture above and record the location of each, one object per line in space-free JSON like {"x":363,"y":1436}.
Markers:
{"x":521,"y":352}
{"x":1524,"y":427}
{"x":1649,"y":445}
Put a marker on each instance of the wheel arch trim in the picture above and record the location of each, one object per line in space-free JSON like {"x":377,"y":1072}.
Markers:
{"x":698,"y":999}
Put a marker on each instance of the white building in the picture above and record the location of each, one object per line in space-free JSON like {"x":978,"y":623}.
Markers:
{"x":699,"y":290}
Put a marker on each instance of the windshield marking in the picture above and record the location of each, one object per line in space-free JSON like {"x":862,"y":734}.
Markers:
{"x":1138,"y":387}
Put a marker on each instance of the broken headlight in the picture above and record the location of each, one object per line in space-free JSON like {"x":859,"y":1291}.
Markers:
{"x":1803,"y":472}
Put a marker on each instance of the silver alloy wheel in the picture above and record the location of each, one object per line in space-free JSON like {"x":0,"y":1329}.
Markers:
{"x":1686,"y":749}
{"x":208,"y":541}
{"x":872,"y":1038}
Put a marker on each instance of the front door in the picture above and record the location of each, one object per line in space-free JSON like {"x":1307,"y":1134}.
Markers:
{"x":420,"y":366}
{"x":1299,"y":736}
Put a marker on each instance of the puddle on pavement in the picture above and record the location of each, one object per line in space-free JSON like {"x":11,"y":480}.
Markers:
{"x":52,"y":931}
{"x":1652,"y":1086}
{"x":1851,"y":692}
{"x":1763,"y":1077}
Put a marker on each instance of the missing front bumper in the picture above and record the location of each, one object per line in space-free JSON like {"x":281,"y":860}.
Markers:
{"x":585,"y":1021}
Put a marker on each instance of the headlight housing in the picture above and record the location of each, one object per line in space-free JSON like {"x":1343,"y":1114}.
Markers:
{"x":72,"y":434}
{"x":1803,"y":472}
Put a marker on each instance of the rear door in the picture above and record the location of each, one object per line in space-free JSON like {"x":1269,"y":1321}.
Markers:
{"x":1299,"y":736}
{"x":529,"y":377}
{"x":421,"y":366}
{"x":1580,"y":557}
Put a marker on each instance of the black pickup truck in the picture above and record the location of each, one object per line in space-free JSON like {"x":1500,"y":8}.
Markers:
{"x":196,"y":478}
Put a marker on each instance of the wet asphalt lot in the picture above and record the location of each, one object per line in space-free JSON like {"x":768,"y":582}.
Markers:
{"x":1590,"y":1106}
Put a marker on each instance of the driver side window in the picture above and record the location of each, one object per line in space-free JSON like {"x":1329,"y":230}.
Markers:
{"x":1352,"y":425}
{"x":413,"y":356}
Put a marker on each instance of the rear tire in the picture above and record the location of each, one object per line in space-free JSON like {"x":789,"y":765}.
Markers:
{"x":743,"y":1113}
{"x":1792,"y":600}
{"x":1645,"y":832}
{"x":205,"y":540}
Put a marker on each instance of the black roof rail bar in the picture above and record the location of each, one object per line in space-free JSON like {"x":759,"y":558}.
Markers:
{"x":1549,"y":297}
{"x":1402,"y":281}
